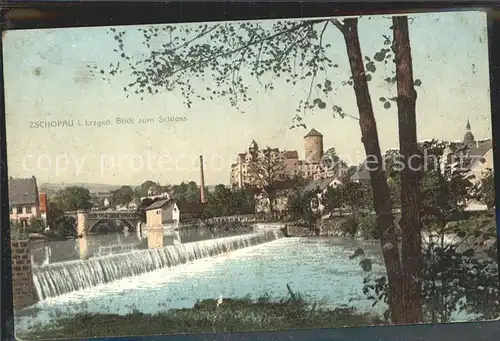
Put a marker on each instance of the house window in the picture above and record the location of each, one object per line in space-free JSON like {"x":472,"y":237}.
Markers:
{"x":19,"y":210}
{"x":314,"y":203}
{"x":28,"y":209}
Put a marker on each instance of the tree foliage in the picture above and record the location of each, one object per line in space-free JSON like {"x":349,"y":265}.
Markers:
{"x":354,"y":197}
{"x":123,"y":195}
{"x":233,"y":54}
{"x":72,"y":198}
{"x":268,"y":173}
{"x":301,"y":206}
{"x":446,"y":185}
{"x":224,"y":201}
{"x":36,"y":225}
{"x":486,"y":191}
{"x":186,"y":192}
{"x":298,"y":52}
{"x":460,"y":273}
{"x":460,"y":267}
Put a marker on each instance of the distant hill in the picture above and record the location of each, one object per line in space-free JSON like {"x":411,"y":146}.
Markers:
{"x":51,"y":188}
{"x":93,"y":188}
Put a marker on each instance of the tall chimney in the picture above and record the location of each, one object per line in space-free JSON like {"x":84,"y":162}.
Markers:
{"x":42,"y":198}
{"x":202,"y":185}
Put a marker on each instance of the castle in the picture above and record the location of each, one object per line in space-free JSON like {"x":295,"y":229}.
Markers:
{"x":311,"y":167}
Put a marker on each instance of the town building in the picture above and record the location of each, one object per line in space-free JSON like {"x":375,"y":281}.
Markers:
{"x":279,"y":205}
{"x":475,"y":157}
{"x":313,"y":166}
{"x":25,"y":202}
{"x":160,"y":213}
{"x":131,"y":205}
{"x":321,"y":187}
{"x":170,"y":213}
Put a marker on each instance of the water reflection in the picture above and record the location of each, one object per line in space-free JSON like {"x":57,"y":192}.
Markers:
{"x":97,"y":245}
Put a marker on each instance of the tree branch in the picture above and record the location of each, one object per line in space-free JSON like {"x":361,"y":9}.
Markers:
{"x":338,"y":24}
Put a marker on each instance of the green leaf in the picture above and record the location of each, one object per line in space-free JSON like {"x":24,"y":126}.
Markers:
{"x":379,"y":56}
{"x":368,"y":77}
{"x":322,"y":105}
{"x":417,"y":82}
{"x":371,"y":67}
{"x":387,"y":105}
{"x":382,"y":99}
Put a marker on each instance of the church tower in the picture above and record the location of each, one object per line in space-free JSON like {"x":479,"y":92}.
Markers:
{"x":469,"y":136}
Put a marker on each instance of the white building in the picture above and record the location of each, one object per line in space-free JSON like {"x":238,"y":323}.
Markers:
{"x":167,"y":213}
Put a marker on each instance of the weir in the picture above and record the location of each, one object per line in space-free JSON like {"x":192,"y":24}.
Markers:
{"x":61,"y":278}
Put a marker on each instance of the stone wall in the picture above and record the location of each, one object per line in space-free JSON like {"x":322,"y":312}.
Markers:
{"x":23,"y":288}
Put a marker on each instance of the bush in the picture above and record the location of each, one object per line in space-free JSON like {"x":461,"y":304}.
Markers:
{"x":459,"y":275}
{"x":36,"y":225}
{"x":16,"y":231}
{"x":349,"y":227}
{"x":367,"y":225}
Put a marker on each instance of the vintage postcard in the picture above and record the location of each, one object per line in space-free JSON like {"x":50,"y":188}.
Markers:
{"x":253,"y":175}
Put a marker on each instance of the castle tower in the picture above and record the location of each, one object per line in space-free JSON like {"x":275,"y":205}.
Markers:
{"x":313,"y":147}
{"x":469,"y":136}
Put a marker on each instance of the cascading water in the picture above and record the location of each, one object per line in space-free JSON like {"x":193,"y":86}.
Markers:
{"x":61,"y":278}
{"x":113,"y":249}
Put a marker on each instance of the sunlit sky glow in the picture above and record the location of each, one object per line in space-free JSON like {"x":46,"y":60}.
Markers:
{"x":46,"y":79}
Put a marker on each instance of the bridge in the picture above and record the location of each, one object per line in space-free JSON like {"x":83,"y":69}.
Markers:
{"x":86,"y":220}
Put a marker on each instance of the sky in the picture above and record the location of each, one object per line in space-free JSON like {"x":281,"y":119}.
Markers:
{"x":46,"y":79}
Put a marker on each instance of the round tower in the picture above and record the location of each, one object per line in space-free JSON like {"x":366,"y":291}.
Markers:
{"x":313,"y":146}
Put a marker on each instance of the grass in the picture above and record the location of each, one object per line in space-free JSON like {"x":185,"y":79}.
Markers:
{"x":231,"y":315}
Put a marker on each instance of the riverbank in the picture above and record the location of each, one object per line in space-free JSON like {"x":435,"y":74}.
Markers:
{"x":361,"y":226}
{"x":226,"y":315}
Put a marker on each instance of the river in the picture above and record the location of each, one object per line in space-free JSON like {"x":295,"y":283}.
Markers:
{"x":319,"y":268}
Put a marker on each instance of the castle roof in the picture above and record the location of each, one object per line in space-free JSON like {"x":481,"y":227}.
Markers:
{"x":291,"y":154}
{"x":253,"y":145}
{"x":313,"y":132}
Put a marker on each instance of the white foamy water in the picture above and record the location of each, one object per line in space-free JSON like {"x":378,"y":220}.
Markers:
{"x":61,"y":278}
{"x":317,"y":267}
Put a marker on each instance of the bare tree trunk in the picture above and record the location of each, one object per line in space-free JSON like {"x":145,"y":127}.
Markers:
{"x":381,"y":195}
{"x":410,"y":178}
